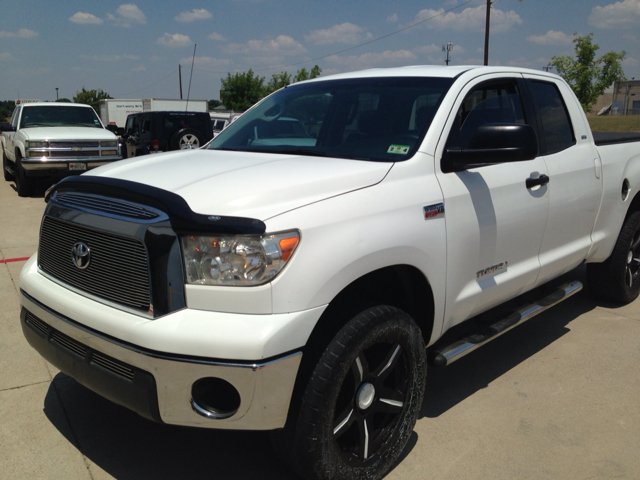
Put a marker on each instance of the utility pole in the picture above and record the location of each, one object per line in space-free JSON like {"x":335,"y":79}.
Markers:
{"x":447,"y":48}
{"x":486,"y":34}
{"x":56,"y":94}
{"x":180,"y":79}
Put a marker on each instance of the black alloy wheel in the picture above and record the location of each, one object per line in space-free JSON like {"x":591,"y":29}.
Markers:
{"x":362,"y":400}
{"x":618,"y":278}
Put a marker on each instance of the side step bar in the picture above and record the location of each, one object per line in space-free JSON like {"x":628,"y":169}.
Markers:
{"x":450,"y":353}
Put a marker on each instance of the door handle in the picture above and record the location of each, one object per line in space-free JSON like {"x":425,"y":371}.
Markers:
{"x":534,"y":182}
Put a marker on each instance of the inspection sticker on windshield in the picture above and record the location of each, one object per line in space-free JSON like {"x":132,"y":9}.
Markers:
{"x":401,"y":149}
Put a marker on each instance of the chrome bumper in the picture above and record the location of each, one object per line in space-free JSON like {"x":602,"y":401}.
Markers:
{"x":30,"y":164}
{"x":265,"y":388}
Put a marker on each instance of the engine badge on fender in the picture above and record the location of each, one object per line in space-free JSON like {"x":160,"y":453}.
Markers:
{"x":433,"y":211}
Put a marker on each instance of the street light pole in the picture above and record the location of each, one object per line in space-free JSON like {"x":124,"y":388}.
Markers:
{"x":486,"y":34}
{"x":56,"y":94}
{"x":447,"y":48}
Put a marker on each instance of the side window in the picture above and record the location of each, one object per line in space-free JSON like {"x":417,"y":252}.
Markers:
{"x":146,"y":124}
{"x":556,"y":124}
{"x":15,"y":116}
{"x":489,"y":103}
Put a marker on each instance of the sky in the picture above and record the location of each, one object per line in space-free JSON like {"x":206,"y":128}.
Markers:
{"x":133,"y":50}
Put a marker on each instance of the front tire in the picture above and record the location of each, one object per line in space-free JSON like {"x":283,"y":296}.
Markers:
{"x":618,"y":278}
{"x":24,"y":185}
{"x":5,"y":163}
{"x":363,"y":398}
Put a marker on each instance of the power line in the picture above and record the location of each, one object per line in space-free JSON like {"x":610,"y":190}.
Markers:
{"x":355,"y":46}
{"x":149,"y":86}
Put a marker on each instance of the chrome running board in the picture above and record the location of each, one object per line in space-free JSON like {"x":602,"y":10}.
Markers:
{"x":450,"y":353}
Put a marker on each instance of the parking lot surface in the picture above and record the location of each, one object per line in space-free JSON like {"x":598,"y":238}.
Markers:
{"x":556,"y":398}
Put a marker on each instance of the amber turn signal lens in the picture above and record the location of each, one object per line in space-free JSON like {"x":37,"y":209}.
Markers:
{"x":287,"y":246}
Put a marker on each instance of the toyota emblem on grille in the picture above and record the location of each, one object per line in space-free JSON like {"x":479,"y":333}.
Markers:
{"x":81,"y":255}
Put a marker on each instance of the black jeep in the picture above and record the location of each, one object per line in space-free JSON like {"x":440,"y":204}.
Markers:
{"x":151,"y":132}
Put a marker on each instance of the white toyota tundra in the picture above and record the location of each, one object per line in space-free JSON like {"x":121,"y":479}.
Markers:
{"x":300,"y":272}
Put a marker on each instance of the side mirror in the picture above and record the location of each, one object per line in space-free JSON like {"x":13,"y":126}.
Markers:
{"x":493,"y":143}
{"x":7,"y":127}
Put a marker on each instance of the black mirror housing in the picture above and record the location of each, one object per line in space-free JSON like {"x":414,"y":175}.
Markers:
{"x":7,"y":127}
{"x":493,"y":143}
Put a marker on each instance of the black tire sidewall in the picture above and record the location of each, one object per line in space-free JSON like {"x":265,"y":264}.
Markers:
{"x":175,"y":140}
{"x":5,"y":162}
{"x":314,"y":438}
{"x":24,"y":185}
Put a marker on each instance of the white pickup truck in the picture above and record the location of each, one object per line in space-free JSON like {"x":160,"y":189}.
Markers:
{"x":300,"y":272}
{"x":53,"y":140}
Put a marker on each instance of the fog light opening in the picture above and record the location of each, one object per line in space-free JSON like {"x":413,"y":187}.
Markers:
{"x":214,"y":398}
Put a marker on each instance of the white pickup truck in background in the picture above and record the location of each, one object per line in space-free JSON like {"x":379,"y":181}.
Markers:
{"x":299,"y":273}
{"x":53,"y":140}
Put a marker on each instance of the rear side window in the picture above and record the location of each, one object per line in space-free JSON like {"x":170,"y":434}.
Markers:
{"x":557,"y":131}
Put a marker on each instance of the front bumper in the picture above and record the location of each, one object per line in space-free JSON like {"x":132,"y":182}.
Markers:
{"x":158,"y":385}
{"x":61,"y":165}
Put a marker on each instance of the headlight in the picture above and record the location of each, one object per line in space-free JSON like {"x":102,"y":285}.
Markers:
{"x":244,"y":260}
{"x":32,"y":144}
{"x":110,"y":143}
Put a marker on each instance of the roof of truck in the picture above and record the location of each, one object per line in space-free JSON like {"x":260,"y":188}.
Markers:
{"x":430,"y":71}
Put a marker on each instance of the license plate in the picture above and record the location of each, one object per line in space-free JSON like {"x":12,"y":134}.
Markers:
{"x":77,"y":166}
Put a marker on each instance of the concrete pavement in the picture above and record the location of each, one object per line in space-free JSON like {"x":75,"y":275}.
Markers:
{"x":556,"y":398}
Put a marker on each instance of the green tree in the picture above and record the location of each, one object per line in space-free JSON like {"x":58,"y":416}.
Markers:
{"x":588,"y":76}
{"x":6,"y":110}
{"x":91,"y":97}
{"x":242,"y":90}
{"x":63,"y":100}
{"x":278,"y":81}
{"x":213,"y":103}
{"x":303,"y":74}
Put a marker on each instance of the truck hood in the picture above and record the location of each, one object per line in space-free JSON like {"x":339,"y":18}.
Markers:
{"x":245,"y":184}
{"x":67,"y":133}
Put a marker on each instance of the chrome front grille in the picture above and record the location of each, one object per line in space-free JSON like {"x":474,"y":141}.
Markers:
{"x":118,"y":268}
{"x":93,"y":144}
{"x":106,"y":205}
{"x":72,"y":153}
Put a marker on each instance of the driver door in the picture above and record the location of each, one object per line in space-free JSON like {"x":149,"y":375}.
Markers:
{"x":495,"y":224}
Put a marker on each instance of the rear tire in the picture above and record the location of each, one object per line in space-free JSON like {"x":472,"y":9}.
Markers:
{"x":24,"y":185}
{"x":5,"y":163}
{"x":618,"y":278}
{"x":361,"y":402}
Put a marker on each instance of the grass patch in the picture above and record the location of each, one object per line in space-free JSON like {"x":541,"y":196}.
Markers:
{"x":615,"y":123}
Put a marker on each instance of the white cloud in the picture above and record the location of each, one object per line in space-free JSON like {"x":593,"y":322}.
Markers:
{"x":392,"y":18}
{"x":193,"y":15}
{"x":139,"y":68}
{"x":369,"y":60}
{"x":625,"y":14}
{"x":343,"y":33}
{"x":102,"y":58}
{"x":552,"y":37}
{"x":131,"y":57}
{"x":156,"y":58}
{"x":5,"y":56}
{"x":128,"y":15}
{"x":85,"y":18}
{"x":22,"y":33}
{"x":282,"y":45}
{"x":216,"y":36}
{"x":175,"y":40}
{"x":468,"y":20}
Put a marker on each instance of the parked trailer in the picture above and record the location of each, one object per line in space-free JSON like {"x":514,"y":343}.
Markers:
{"x":175,"y":105}
{"x":115,"y":111}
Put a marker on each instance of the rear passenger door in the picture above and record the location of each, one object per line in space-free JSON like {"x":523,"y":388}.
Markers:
{"x":575,"y":179}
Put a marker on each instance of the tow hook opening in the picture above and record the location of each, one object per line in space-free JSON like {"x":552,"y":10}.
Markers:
{"x":214,"y":398}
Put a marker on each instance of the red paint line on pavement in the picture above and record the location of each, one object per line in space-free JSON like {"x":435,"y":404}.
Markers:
{"x":7,"y":260}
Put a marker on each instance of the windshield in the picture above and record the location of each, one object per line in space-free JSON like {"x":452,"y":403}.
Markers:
{"x":381,"y":119}
{"x":59,"y":117}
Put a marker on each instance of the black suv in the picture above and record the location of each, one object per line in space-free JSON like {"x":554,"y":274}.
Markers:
{"x":151,"y":132}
